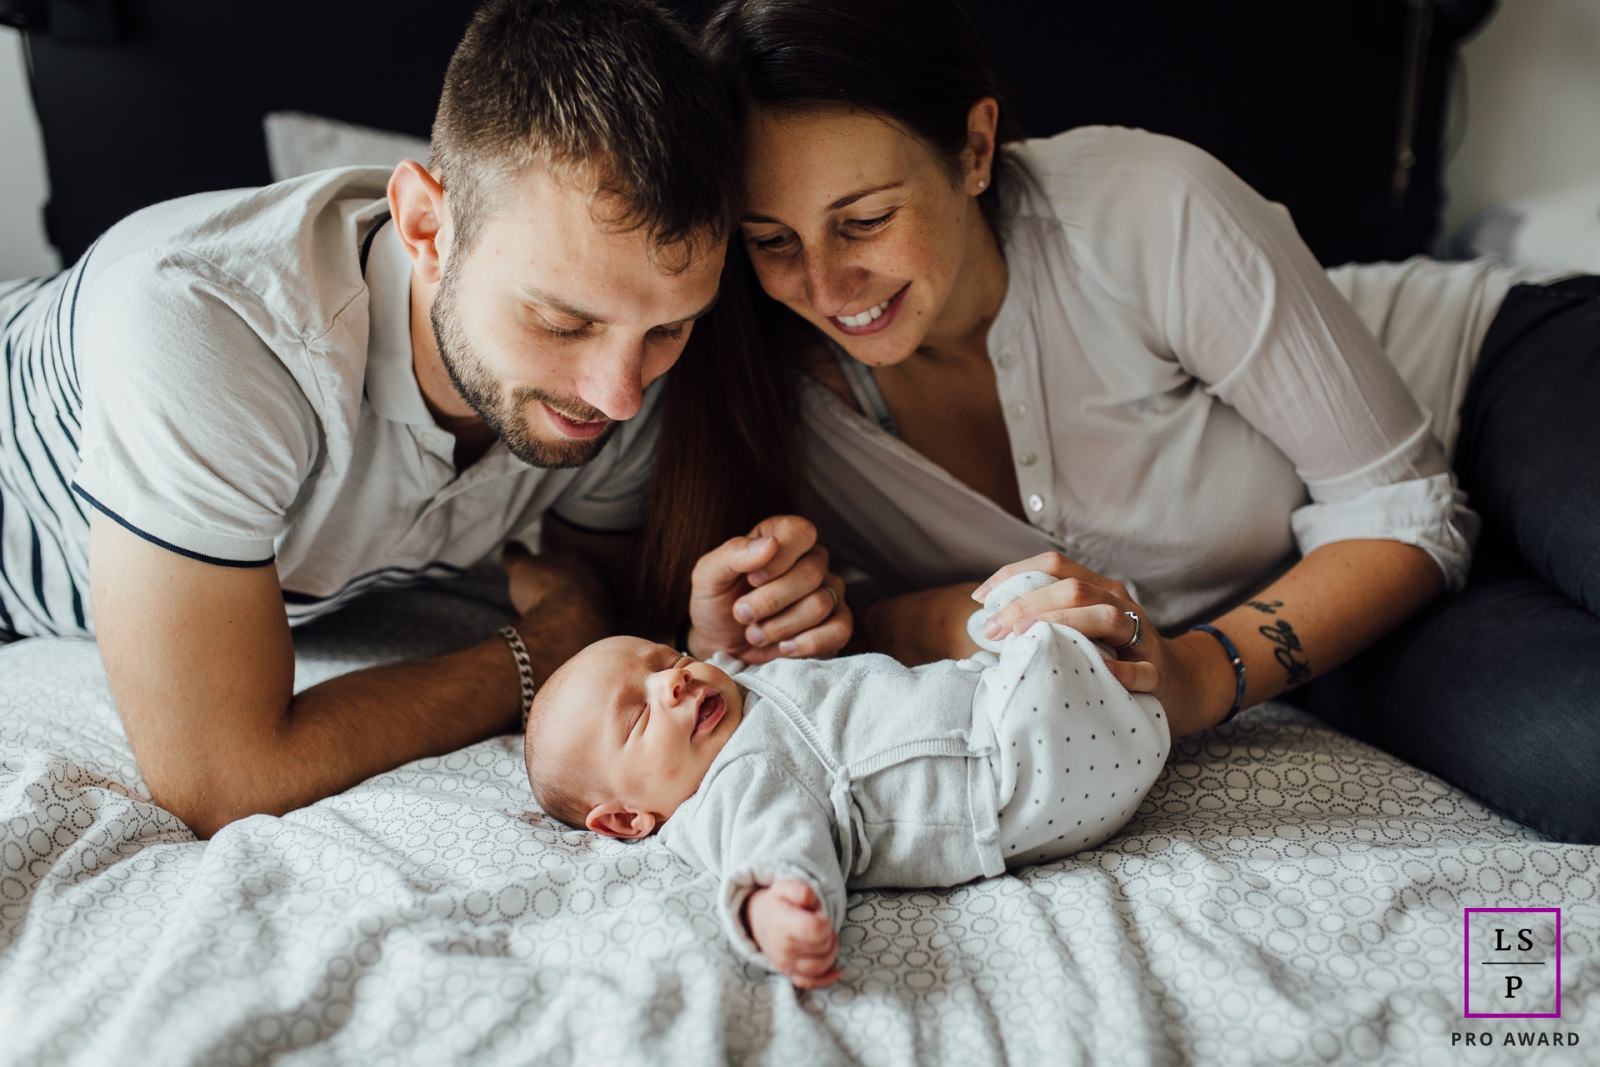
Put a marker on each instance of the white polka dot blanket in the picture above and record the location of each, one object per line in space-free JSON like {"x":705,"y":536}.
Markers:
{"x":1283,"y":896}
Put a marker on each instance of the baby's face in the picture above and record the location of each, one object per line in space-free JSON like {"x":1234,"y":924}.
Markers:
{"x":641,"y":723}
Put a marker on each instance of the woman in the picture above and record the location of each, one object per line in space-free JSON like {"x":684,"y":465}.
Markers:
{"x":1104,"y":351}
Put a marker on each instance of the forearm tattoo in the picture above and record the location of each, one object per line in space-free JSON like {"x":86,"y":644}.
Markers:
{"x":1288,"y":648}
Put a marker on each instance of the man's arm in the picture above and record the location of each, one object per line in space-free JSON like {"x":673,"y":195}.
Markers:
{"x":614,"y":555}
{"x":201,"y":667}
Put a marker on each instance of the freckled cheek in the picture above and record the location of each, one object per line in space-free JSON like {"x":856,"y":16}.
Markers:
{"x":923,"y":263}
{"x":904,"y":250}
{"x":938,"y":259}
{"x":782,"y":279}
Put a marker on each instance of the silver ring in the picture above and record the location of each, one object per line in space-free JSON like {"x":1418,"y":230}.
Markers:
{"x":831,"y":591}
{"x":1138,"y":631}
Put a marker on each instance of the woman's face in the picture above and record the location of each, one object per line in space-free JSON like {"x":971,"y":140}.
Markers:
{"x":855,"y":225}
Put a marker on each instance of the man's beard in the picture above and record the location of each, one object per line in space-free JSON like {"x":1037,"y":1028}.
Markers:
{"x":507,"y":416}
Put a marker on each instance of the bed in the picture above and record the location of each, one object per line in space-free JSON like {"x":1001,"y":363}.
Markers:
{"x":1285,"y":895}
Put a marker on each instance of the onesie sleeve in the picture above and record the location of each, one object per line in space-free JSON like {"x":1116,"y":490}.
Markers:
{"x":750,"y":824}
{"x":1245,"y":308}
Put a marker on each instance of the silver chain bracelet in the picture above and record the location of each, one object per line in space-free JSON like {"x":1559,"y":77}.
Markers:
{"x":519,"y":652}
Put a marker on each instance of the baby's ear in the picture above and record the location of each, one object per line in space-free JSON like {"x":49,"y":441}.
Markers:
{"x":615,"y":819}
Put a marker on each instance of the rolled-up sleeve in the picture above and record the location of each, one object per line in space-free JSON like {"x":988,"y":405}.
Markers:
{"x":1249,"y":312}
{"x":1407,"y":496}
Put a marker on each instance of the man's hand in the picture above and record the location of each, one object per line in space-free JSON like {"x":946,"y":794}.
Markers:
{"x":767,"y":595}
{"x":532,"y":580}
{"x":787,"y":923}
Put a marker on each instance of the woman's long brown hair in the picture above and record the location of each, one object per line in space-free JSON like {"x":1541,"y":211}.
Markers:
{"x":729,"y":453}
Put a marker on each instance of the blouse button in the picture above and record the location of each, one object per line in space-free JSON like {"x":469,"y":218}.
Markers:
{"x":1018,"y":410}
{"x":1003,"y":362}
{"x":1035,"y":502}
{"x":1028,"y":459}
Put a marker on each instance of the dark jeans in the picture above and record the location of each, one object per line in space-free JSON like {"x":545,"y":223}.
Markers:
{"x":1496,"y":689}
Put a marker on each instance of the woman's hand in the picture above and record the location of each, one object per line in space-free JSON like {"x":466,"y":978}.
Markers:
{"x":1098,"y":607}
{"x":767,"y":595}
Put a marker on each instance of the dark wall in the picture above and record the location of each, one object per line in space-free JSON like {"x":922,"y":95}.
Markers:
{"x":168,"y":97}
{"x":1335,"y":109}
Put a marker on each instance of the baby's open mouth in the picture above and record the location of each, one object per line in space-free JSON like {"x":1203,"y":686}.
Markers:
{"x":708,"y":714}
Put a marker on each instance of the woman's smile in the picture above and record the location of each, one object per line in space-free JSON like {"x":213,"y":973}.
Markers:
{"x":874,"y":319}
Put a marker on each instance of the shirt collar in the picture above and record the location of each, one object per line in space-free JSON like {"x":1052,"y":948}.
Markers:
{"x":392,"y":387}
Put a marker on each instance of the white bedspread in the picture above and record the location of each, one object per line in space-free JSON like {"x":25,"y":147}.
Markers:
{"x":1284,"y":896}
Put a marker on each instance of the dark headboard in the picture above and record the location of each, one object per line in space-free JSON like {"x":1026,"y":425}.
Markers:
{"x":1334,"y":108}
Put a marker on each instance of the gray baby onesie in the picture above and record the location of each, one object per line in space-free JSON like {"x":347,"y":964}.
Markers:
{"x":860,"y":772}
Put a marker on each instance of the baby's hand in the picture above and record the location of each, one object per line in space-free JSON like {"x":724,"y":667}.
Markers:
{"x":788,"y":925}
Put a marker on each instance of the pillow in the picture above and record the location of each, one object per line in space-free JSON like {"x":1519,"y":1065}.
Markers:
{"x":1557,"y":230}
{"x":298,"y":144}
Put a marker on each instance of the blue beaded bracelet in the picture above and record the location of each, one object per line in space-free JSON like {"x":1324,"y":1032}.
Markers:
{"x":1233,"y":657}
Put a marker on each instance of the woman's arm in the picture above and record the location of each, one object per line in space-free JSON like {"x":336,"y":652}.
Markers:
{"x":1249,"y":314}
{"x":1247,"y":311}
{"x":931,"y":624}
{"x":1334,"y":603}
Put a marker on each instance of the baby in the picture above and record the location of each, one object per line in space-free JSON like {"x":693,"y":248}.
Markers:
{"x":797,"y":779}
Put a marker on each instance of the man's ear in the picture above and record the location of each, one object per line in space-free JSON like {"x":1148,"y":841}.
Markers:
{"x":421,"y":218}
{"x":615,"y":819}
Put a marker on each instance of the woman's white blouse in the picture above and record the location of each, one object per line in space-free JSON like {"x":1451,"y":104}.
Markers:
{"x":1192,"y":402}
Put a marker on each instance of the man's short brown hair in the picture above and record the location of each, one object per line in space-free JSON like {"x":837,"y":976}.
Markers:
{"x":614,"y":91}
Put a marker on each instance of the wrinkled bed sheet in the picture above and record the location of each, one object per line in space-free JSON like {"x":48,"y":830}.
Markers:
{"x":1285,"y":895}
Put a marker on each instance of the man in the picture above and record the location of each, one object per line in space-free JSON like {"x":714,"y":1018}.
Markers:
{"x":242,"y":409}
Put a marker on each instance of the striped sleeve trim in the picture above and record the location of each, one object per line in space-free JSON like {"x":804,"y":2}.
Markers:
{"x":380,"y":577}
{"x":168,"y":545}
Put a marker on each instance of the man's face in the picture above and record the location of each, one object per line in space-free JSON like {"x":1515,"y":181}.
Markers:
{"x":553,"y":323}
